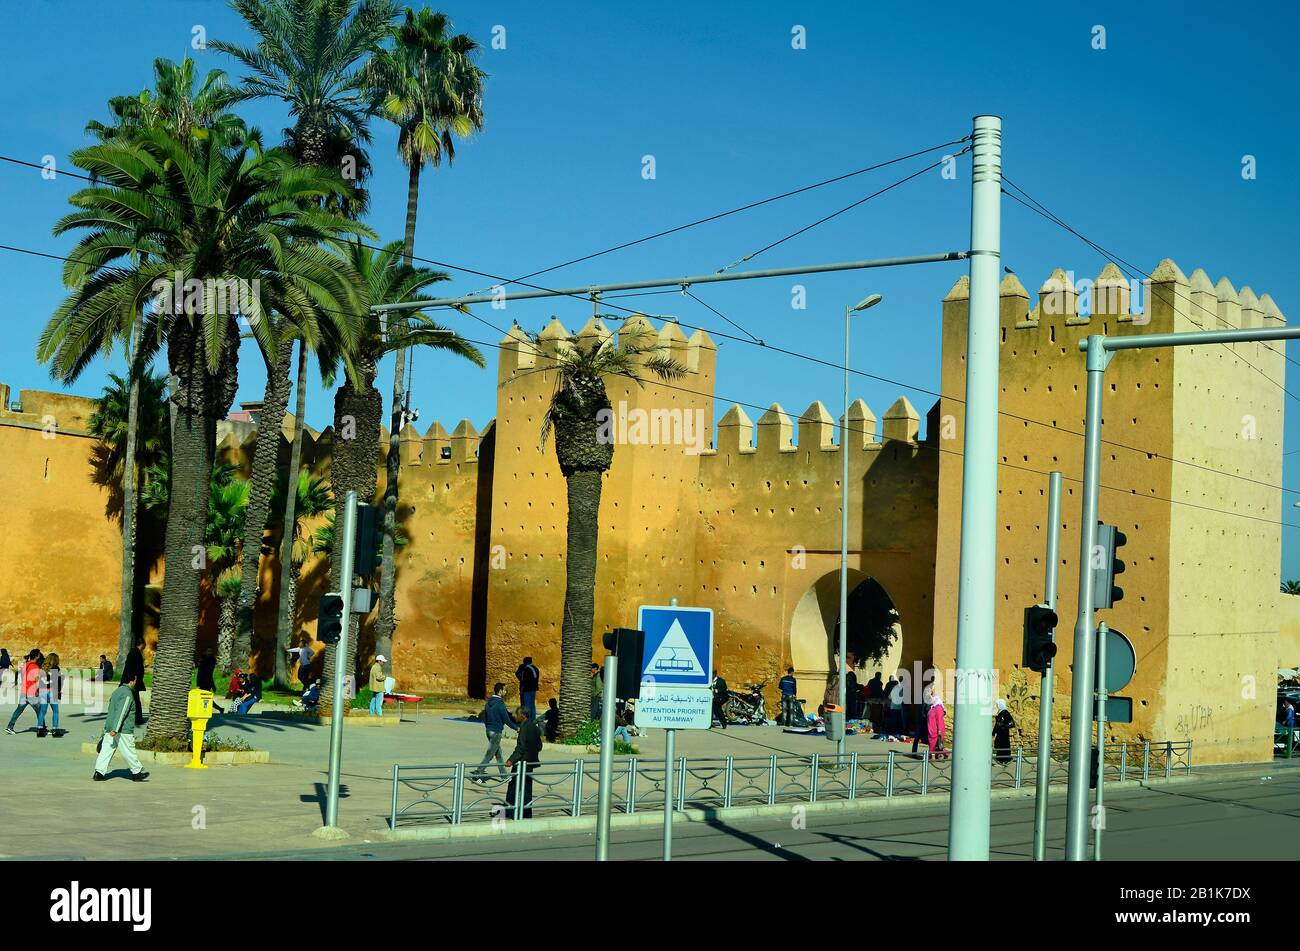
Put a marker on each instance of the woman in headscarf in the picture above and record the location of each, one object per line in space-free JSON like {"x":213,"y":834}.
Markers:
{"x":1003,"y":723}
{"x":935,"y":723}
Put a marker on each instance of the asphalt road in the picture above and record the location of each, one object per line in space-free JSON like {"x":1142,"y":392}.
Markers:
{"x":1231,"y":818}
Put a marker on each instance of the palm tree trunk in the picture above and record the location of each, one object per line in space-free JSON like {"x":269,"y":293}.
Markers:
{"x":126,"y":614}
{"x":386,"y":622}
{"x":227,"y":625}
{"x":352,"y":467}
{"x":579,"y":600}
{"x":284,"y":629}
{"x":266,"y":454}
{"x":187,"y":512}
{"x":200,"y":398}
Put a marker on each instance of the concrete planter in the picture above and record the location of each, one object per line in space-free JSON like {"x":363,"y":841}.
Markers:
{"x":297,"y":716}
{"x":230,"y":758}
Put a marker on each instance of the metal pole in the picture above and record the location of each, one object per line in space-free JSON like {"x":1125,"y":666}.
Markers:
{"x":844,"y":545}
{"x":606,"y":759}
{"x":1043,"y":776}
{"x":969,"y":806}
{"x":670,"y":738}
{"x":1099,"y":815}
{"x":587,"y":291}
{"x":347,"y":540}
{"x":1082,"y":674}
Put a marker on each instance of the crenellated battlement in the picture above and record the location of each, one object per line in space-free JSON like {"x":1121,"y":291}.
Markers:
{"x":815,"y":430}
{"x":1066,"y":299}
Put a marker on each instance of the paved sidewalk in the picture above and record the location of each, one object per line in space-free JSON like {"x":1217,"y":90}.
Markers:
{"x":49,"y":807}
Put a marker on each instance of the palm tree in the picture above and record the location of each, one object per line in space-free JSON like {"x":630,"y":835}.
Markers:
{"x":190,"y":113}
{"x":130,"y":421}
{"x":1291,"y":587}
{"x":312,"y":54}
{"x":577,"y":401}
{"x":223,"y":537}
{"x":358,"y":408}
{"x":311,"y":498}
{"x":432,"y":91}
{"x":228,"y":218}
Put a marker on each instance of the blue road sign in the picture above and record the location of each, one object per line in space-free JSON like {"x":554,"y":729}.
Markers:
{"x":678,"y":646}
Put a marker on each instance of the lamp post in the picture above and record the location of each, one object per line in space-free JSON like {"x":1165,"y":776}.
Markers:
{"x":866,"y":302}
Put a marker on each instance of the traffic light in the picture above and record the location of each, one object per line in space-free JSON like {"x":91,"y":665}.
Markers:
{"x":367,"y":555}
{"x":627,"y":644}
{"x":1040,"y":647}
{"x":1105,"y":566}
{"x":329,"y":625}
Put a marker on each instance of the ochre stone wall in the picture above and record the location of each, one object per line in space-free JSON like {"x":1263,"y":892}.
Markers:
{"x":1203,"y":547}
{"x":746,"y":521}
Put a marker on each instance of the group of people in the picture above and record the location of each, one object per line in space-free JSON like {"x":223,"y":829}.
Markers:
{"x":39,"y":681}
{"x":885,"y":707}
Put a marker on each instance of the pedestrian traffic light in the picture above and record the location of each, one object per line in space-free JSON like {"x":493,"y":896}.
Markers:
{"x":1040,"y":645}
{"x":367,"y":555}
{"x":627,"y":644}
{"x":1105,"y":566}
{"x":329,"y":625}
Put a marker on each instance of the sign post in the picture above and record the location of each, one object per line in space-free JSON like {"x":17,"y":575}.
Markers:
{"x":676,"y":674}
{"x":1043,"y":775}
{"x":331,"y":828}
{"x":608,"y":701}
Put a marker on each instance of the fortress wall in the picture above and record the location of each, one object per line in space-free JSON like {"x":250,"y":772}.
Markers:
{"x":1224,"y":648}
{"x":770,"y":536}
{"x":1151,"y":415}
{"x":446,"y":481}
{"x":645,"y":531}
{"x":59,"y":583}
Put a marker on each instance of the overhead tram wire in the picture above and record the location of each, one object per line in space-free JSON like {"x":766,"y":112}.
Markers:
{"x":1129,"y":269}
{"x":781,"y":350}
{"x":843,"y":428}
{"x":737,"y":210}
{"x":836,"y":214}
{"x":828,"y":364}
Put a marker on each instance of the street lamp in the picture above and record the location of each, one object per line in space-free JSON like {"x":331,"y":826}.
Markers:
{"x":866,"y":302}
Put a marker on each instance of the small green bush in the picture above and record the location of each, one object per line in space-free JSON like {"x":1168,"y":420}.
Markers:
{"x":586,"y":735}
{"x":362,"y":700}
{"x":211,"y":744}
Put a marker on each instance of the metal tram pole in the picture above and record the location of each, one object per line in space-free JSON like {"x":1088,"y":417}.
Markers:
{"x":1085,"y":647}
{"x":670,"y":737}
{"x":608,"y":699}
{"x":347,"y":540}
{"x":969,"y":807}
{"x":1043,"y":777}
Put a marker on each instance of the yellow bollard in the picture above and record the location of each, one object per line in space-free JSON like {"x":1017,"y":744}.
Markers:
{"x":199,"y":712}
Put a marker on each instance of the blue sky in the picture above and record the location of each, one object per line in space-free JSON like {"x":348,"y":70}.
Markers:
{"x":1139,"y":146}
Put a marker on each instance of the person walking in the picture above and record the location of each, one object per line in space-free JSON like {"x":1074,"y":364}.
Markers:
{"x":529,"y":678}
{"x":921,"y":725}
{"x":1003,"y":724}
{"x":788,"y":687}
{"x":496,"y":717}
{"x":525,"y":759}
{"x":935,"y":726}
{"x":119,"y":733}
{"x":597,"y":691}
{"x":720,"y":694}
{"x":29,"y":688}
{"x":133,"y":670}
{"x":50,"y":690}
{"x":377,"y":686}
